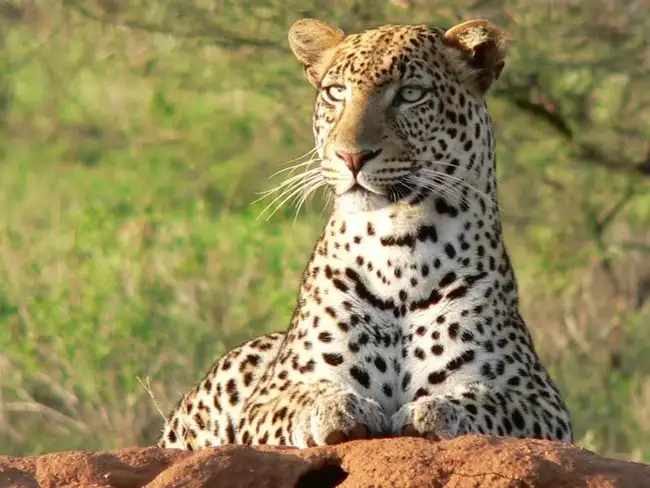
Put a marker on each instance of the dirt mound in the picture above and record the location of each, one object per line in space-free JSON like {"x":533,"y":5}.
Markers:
{"x":470,"y":461}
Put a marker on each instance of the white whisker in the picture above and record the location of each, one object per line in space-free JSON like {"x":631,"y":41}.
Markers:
{"x":294,"y":167}
{"x":305,"y":195}
{"x":288,"y":182}
{"x":445,"y":190}
{"x":308,"y":154}
{"x":290,"y":192}
{"x":296,"y":185}
{"x":328,"y":198}
{"x":488,"y":199}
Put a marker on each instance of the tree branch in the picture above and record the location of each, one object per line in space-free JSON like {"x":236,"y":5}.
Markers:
{"x":217,"y":35}
{"x":547,"y":112}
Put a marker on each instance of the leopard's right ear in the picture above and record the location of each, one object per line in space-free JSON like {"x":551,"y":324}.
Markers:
{"x":313,"y":42}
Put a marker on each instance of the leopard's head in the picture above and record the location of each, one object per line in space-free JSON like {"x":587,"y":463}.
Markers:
{"x":400,"y":113}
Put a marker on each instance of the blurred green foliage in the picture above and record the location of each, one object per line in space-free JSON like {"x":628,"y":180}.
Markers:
{"x":134,"y":135}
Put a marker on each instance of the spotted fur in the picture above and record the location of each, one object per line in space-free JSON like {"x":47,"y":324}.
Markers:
{"x":407,"y":319}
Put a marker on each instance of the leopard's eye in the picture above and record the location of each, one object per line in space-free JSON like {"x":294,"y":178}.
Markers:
{"x":409,"y":94}
{"x":333,"y":93}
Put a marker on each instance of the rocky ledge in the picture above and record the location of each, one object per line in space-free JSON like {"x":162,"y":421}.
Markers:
{"x":470,"y":461}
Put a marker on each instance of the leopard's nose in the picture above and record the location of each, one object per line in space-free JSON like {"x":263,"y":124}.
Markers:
{"x":356,"y":161}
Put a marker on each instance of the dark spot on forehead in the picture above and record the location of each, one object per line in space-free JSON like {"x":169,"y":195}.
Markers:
{"x":383,"y":54}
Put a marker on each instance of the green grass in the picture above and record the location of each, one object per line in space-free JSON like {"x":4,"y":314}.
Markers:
{"x":129,"y":248}
{"x":128,"y":245}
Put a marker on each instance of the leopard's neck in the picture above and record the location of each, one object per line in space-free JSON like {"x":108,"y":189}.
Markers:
{"x":416,"y":248}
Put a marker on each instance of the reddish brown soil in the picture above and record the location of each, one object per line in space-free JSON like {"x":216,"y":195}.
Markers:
{"x":470,"y":461}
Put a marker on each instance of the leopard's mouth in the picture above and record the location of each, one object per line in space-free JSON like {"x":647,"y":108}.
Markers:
{"x":358,"y":189}
{"x":393,"y":193}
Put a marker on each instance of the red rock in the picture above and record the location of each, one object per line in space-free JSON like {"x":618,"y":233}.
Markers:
{"x":470,"y":461}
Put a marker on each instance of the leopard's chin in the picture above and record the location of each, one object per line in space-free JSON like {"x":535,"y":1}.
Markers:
{"x":360,"y":199}
{"x":359,"y":189}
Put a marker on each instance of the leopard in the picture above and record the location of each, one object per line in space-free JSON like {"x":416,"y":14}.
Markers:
{"x":407,"y":319}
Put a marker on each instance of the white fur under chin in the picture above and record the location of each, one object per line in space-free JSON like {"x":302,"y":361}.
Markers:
{"x":357,"y":201}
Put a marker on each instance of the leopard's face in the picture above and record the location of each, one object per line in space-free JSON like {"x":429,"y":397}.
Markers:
{"x":397,"y":119}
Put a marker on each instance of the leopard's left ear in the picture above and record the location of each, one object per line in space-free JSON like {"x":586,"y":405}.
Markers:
{"x":483,"y":48}
{"x":313,"y":42}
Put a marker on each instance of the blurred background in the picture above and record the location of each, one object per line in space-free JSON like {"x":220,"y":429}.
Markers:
{"x":134,"y":136}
